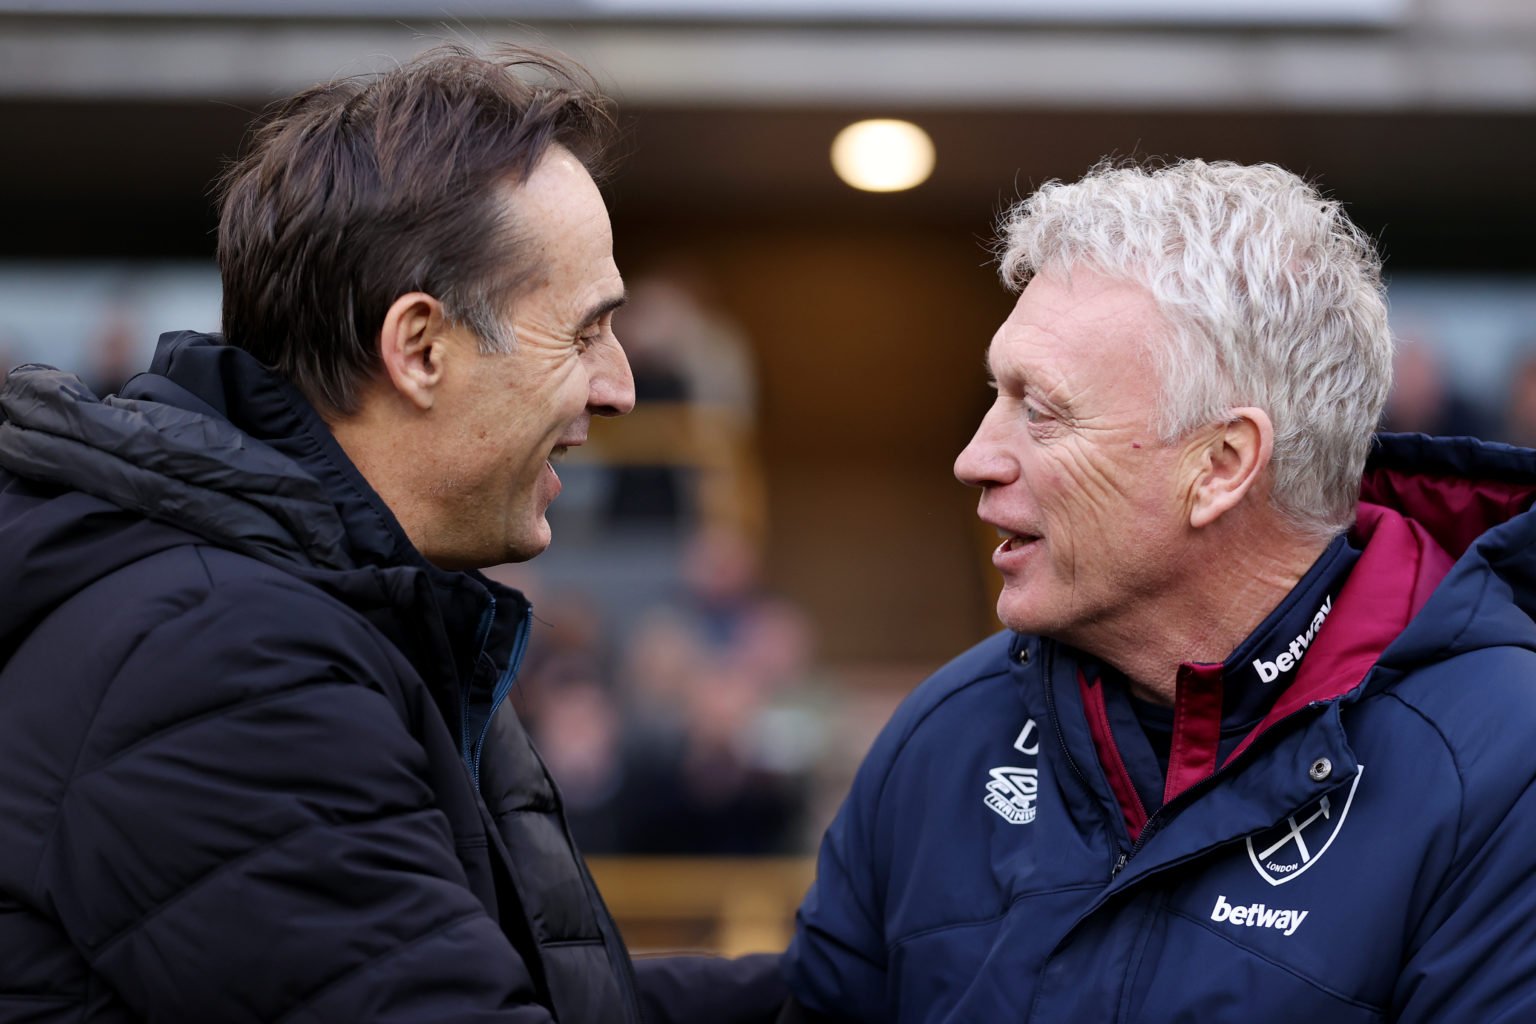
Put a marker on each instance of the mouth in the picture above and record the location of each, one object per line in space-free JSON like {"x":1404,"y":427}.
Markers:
{"x":556,"y":454}
{"x":1013,"y":541}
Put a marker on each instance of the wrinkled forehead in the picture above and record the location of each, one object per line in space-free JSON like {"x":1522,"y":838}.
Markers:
{"x":1085,"y":315}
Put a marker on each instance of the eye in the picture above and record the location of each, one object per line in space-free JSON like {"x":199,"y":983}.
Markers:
{"x":1034,"y":414}
{"x":592,"y":333}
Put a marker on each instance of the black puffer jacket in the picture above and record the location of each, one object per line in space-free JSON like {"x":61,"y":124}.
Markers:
{"x":242,"y":723}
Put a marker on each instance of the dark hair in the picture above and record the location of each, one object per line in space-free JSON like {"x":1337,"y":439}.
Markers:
{"x":355,"y":192}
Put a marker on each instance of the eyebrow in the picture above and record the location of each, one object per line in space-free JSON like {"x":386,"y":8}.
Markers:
{"x":603,"y":308}
{"x":994,"y":379}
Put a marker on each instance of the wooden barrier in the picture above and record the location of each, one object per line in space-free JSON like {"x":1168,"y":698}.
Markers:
{"x":728,"y":905}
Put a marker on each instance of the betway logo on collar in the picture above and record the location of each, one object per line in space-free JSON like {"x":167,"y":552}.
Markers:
{"x":1289,"y":658}
{"x":1257,"y":915}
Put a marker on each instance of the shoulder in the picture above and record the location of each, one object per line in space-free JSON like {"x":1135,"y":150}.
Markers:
{"x":946,"y":709}
{"x":1456,"y":735}
{"x":207,"y":602}
{"x":979,"y":675}
{"x":193,"y":632}
{"x":1480,"y":701}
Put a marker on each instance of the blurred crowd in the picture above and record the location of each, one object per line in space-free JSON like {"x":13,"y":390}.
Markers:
{"x":677,"y":700}
{"x":699,"y":724}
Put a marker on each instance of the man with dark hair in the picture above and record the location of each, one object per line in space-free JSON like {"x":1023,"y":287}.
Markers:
{"x":258,"y":761}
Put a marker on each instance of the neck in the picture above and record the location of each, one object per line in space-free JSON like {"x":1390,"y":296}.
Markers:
{"x":383,"y":451}
{"x":1204,"y":617}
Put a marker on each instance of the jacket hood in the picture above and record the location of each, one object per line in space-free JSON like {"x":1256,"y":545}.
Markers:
{"x":207,"y":445}
{"x":167,"y":463}
{"x":1448,"y":565}
{"x":92,"y":485}
{"x":1472,"y":499}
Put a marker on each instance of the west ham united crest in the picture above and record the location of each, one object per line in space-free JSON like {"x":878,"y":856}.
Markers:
{"x":1287,"y":850}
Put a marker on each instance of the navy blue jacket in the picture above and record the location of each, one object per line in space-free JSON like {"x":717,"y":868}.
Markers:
{"x":1365,"y":852}
{"x":257,"y":760}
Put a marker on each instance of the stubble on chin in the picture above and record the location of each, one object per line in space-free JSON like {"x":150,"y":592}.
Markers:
{"x":444,"y":486}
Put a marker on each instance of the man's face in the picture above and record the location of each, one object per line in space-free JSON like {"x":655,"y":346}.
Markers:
{"x":1086,"y":501}
{"x":512,"y":414}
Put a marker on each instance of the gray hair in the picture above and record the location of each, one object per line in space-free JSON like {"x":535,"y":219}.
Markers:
{"x":1274,"y":296}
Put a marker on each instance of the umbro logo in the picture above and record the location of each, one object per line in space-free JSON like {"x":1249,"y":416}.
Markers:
{"x":1011,"y":793}
{"x":1013,"y":789}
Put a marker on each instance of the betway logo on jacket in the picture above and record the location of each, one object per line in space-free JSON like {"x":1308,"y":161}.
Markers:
{"x":1257,"y":915}
{"x":1289,"y":658}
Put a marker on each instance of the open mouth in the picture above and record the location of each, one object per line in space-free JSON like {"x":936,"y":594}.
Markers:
{"x":1013,"y":541}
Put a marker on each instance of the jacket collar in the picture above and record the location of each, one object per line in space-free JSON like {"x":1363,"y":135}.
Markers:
{"x":482,"y":618}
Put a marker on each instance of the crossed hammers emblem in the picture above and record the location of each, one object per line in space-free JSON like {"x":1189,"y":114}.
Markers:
{"x":1295,"y":833}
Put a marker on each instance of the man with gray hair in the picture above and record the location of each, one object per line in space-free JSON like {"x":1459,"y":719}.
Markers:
{"x":1255,"y":746}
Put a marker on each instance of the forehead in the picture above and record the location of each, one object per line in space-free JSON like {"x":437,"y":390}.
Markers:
{"x":559,"y":197}
{"x":1078,"y":323}
{"x":563,"y":225}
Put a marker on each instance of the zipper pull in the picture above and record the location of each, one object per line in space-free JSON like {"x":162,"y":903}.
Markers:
{"x":1119,"y":864}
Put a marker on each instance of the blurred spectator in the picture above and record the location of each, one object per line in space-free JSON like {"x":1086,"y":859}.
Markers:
{"x":680,"y":714}
{"x":1422,"y":399}
{"x":689,"y":457}
{"x":1520,"y":410}
{"x":116,"y":352}
{"x":706,"y":737}
{"x":716,"y":771}
{"x":578,"y":735}
{"x":10,"y":354}
{"x":651,"y":492}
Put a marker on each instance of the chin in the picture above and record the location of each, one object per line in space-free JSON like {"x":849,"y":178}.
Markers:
{"x":529,"y":545}
{"x":1015,"y":612}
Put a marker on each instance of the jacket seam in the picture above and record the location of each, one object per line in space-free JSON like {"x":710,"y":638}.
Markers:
{"x":202,"y":718}
{"x":372,"y":962}
{"x":1485,"y":580}
{"x":911,"y":730}
{"x":1133,"y":965}
{"x":918,"y":724}
{"x":992,"y":919}
{"x":104,"y":947}
{"x":596,"y":940}
{"x":1293,"y":972}
{"x":91,"y":981}
{"x":901,"y":748}
{"x":39,"y":997}
{"x":90,"y":727}
{"x":1450,"y":752}
{"x":74,"y":775}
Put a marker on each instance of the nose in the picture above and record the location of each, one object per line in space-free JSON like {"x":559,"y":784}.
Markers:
{"x":612,"y":384}
{"x":986,"y":461}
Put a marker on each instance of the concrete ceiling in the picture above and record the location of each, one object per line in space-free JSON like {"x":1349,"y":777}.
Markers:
{"x":1427,"y":126}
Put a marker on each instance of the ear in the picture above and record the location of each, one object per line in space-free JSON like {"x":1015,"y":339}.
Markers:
{"x":1232,"y":463}
{"x":412,"y":347}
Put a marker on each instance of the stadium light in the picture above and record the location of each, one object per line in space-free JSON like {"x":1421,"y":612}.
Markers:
{"x":883,"y":155}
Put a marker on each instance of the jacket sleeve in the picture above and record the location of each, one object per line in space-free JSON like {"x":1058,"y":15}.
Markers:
{"x":1475,"y":956}
{"x":710,"y":989}
{"x":836,"y":966}
{"x":246,"y":833}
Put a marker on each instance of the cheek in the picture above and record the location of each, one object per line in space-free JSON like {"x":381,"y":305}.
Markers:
{"x":1084,"y":488}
